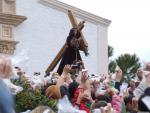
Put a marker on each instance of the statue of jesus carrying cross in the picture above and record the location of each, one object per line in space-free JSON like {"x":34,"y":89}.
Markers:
{"x":70,"y":51}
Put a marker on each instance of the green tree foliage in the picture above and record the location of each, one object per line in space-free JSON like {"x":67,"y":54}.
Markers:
{"x":112,"y":66}
{"x":110,"y":51}
{"x":129,"y":65}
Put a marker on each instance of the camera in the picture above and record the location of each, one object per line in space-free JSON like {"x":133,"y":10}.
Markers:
{"x":76,"y":65}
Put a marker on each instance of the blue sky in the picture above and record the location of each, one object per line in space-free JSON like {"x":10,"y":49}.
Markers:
{"x":129,"y":31}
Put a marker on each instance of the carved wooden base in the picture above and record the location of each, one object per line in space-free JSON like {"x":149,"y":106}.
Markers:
{"x":7,"y":47}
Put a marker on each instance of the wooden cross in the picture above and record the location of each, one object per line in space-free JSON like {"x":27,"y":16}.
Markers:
{"x":83,"y":42}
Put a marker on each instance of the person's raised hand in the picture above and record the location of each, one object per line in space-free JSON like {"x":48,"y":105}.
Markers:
{"x":135,"y":104}
{"x":8,"y":67}
{"x":64,"y":75}
{"x":67,"y":69}
{"x":5,"y":67}
{"x":125,"y":93}
{"x":102,"y":77}
{"x":107,"y":109}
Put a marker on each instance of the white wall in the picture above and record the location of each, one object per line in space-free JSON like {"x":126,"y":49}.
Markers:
{"x":44,"y":33}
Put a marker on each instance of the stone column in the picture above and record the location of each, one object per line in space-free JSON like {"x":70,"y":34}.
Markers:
{"x":8,"y":6}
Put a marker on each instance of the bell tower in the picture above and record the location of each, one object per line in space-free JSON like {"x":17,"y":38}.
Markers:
{"x":8,"y":21}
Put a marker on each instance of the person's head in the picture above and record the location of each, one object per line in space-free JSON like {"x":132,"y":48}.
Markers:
{"x":42,"y":109}
{"x":118,"y":74}
{"x":132,"y":84}
{"x":99,"y":104}
{"x":17,"y":68}
{"x":147,"y":68}
{"x":139,"y":74}
{"x":81,"y":65}
{"x":36,"y":73}
{"x":85,"y":83}
{"x":55,"y":77}
{"x":74,"y":76}
{"x":96,"y":84}
{"x":73,"y":32}
{"x":84,"y":75}
{"x":106,"y":83}
{"x":53,"y":91}
{"x":147,"y":76}
{"x":20,"y":73}
{"x":93,"y":91}
{"x":102,"y":77}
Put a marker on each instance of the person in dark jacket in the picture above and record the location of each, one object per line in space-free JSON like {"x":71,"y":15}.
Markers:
{"x":142,"y":106}
{"x":118,"y":73}
{"x":73,"y":86}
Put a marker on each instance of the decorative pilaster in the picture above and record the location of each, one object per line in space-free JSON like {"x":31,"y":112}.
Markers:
{"x":102,"y":49}
{"x":8,"y":20}
{"x":7,"y":47}
{"x":8,"y":6}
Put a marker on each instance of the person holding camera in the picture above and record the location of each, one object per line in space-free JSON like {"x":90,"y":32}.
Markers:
{"x":59,"y":90}
{"x":82,"y":97}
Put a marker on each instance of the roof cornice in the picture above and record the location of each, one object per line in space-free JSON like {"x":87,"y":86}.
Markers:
{"x":79,"y":12}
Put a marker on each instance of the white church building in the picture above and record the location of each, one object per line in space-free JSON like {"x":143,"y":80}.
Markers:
{"x":40,"y":28}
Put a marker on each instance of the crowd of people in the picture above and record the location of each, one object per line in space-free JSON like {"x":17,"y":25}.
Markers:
{"x":77,"y":91}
